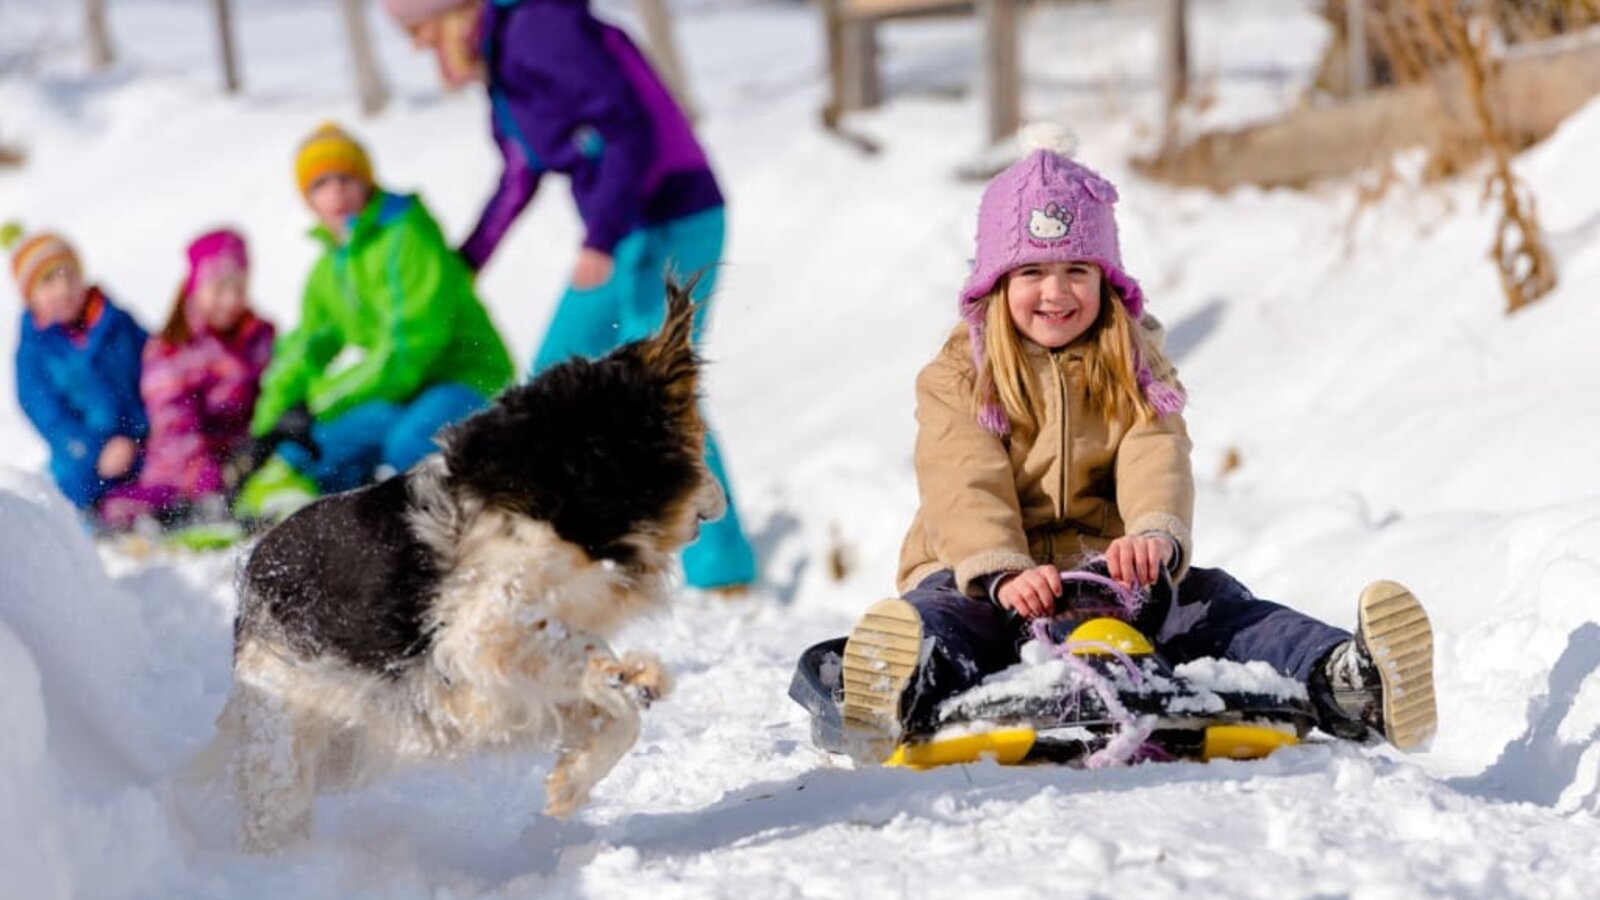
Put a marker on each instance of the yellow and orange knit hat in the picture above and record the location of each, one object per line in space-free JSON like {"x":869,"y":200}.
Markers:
{"x":329,"y":150}
{"x":33,"y":256}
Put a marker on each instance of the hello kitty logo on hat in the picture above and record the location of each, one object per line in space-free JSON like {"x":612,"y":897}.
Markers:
{"x":1049,"y":224}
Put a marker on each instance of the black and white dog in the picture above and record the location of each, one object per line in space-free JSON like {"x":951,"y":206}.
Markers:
{"x":466,"y":604}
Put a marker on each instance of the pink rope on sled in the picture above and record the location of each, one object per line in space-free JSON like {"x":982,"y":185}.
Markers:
{"x":1132,"y":599}
{"x":1130,"y":744}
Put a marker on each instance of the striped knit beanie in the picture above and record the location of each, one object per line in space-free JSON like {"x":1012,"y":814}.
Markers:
{"x":1048,"y":208}
{"x":33,"y":256}
{"x":329,"y":150}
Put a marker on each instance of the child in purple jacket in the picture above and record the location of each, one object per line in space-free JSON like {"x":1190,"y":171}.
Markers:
{"x":202,"y":373}
{"x":573,"y":95}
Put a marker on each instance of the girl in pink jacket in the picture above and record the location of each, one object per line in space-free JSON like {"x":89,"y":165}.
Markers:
{"x":202,"y":373}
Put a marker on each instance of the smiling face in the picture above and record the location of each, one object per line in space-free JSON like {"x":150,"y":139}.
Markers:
{"x":1053,"y":304}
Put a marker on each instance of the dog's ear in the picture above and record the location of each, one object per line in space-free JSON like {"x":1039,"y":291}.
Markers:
{"x":669,"y":354}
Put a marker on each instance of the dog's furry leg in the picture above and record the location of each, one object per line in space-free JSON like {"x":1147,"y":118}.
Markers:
{"x":273,"y":770}
{"x":603,"y":727}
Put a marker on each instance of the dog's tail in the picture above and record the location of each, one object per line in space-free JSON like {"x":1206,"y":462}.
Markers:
{"x":670,"y":352}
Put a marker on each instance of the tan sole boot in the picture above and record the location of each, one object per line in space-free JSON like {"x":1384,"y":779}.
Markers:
{"x":880,"y":656}
{"x":1399,"y":640}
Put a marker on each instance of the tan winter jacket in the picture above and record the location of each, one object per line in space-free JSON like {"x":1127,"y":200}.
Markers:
{"x":993,"y":504}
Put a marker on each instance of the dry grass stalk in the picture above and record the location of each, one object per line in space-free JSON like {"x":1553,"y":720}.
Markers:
{"x":1527,"y":271}
{"x":1395,"y":57}
{"x":1231,"y":461}
{"x":841,"y":556}
{"x":1431,"y":41}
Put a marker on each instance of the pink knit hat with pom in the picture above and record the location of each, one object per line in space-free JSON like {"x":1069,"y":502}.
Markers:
{"x":214,"y":254}
{"x":1047,"y":208}
{"x":414,"y":12}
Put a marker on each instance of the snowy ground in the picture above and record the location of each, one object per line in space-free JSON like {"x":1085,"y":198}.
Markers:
{"x":1390,"y":422}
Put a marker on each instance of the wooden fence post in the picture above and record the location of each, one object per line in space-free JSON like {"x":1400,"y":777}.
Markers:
{"x":230,"y":60}
{"x":663,"y":47}
{"x":1174,"y":67}
{"x":369,"y":79}
{"x":1002,"y":81}
{"x":101,"y":52}
{"x":852,"y":49}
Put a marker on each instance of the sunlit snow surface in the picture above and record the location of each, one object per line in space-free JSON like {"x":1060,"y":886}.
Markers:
{"x":1391,"y":423}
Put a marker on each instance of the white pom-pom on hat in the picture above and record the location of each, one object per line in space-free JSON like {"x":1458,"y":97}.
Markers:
{"x":1052,"y":136}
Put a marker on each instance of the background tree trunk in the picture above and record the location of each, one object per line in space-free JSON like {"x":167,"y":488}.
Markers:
{"x":369,"y":79}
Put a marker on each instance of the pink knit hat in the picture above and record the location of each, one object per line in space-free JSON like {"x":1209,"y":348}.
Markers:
{"x":1048,"y":208}
{"x":214,"y":254}
{"x":411,"y":13}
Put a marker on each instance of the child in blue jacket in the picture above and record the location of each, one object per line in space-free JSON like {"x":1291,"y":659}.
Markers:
{"x":78,"y":366}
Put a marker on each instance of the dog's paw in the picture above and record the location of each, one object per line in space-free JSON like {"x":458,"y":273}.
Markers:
{"x":641,"y":678}
{"x":563,"y":794}
{"x":638,"y":677}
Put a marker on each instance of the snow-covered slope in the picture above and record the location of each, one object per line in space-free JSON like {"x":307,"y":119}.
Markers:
{"x":1390,"y":422}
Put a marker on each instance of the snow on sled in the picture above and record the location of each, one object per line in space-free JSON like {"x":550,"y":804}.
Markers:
{"x":1088,"y":692}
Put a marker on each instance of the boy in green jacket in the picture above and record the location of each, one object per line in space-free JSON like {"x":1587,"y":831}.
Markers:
{"x":392,"y":344}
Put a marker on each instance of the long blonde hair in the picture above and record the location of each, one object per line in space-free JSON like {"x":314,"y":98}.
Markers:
{"x":1116,"y":348}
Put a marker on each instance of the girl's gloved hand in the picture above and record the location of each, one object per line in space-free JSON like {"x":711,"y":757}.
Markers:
{"x":1136,"y":559}
{"x":1031,"y":592}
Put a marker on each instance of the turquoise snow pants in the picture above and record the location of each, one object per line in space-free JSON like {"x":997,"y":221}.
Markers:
{"x":591,"y":322}
{"x":375,"y":434}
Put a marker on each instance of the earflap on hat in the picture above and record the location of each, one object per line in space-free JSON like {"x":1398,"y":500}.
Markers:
{"x":1165,"y":399}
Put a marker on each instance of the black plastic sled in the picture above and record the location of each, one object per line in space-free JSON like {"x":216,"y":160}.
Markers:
{"x":1089,"y":692}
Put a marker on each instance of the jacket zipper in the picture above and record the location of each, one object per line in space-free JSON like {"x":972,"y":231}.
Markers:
{"x":1066,"y":445}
